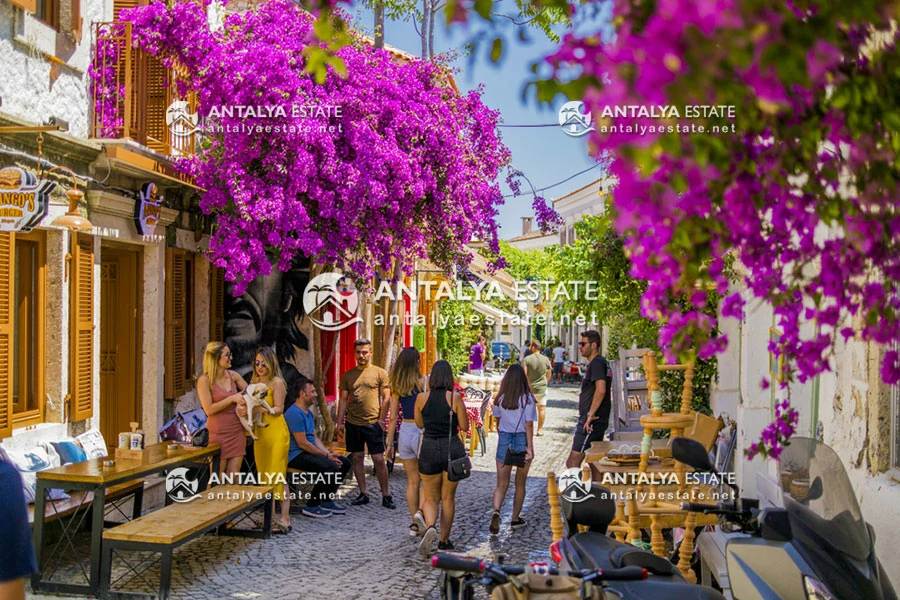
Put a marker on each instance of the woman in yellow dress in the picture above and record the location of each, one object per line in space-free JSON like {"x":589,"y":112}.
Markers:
{"x":271,"y":449}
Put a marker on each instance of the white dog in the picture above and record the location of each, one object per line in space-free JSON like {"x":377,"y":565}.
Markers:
{"x":255,"y":395}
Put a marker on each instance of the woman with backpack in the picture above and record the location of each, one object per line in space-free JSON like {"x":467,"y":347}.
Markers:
{"x":515,"y":410}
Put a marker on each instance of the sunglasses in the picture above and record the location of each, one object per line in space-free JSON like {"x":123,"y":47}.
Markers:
{"x":583,"y":343}
{"x":227,"y":355}
{"x":260,"y":363}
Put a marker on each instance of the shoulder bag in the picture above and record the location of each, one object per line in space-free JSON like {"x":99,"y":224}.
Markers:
{"x":460,"y":468}
{"x":514,"y":458}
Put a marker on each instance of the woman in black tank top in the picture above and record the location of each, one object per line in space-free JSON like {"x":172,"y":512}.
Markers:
{"x":440,"y":414}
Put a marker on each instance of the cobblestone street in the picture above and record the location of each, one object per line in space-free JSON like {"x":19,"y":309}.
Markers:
{"x":367,"y":553}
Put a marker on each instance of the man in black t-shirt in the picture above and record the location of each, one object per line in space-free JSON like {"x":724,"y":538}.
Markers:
{"x":16,"y":552}
{"x":593,"y":401}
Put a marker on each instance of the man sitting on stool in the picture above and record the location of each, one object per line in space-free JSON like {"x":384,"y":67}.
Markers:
{"x":308,"y":453}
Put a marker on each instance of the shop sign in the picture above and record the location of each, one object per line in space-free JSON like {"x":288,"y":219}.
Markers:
{"x":23,"y":199}
{"x":148,"y":209}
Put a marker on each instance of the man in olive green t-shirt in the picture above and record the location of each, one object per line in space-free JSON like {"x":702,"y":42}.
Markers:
{"x":538,"y":370}
{"x":365,"y":390}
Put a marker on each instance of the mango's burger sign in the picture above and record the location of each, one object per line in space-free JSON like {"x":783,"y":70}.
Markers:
{"x":23,"y":199}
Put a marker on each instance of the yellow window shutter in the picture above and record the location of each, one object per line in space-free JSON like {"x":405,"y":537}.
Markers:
{"x":26,"y":5}
{"x":217,"y":305}
{"x":81,"y":375}
{"x":7,"y":277}
{"x":176,"y":330}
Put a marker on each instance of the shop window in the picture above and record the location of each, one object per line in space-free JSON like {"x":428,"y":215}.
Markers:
{"x":179,"y":360}
{"x":22,"y":262}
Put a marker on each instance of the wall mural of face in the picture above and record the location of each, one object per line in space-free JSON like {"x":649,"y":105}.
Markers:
{"x":268,"y":314}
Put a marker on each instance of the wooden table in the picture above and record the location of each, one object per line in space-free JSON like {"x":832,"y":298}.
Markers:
{"x":91,"y":475}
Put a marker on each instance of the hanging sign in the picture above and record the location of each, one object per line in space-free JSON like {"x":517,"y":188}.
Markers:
{"x":23,"y":199}
{"x":147,"y":210}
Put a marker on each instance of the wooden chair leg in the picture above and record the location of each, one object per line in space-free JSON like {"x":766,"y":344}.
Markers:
{"x":556,"y":524}
{"x":686,"y":552}
{"x":657,"y":544}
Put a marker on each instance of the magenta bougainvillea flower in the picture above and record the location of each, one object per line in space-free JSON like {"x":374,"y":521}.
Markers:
{"x":388,"y":161}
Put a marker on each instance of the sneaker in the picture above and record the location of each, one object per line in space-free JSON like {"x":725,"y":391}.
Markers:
{"x":517,"y":524}
{"x":388,"y":502}
{"x":427,"y":541}
{"x":448,"y":545}
{"x":495,"y":523}
{"x":334,"y":508}
{"x":360,"y":500}
{"x":316,"y":512}
{"x":419,"y":519}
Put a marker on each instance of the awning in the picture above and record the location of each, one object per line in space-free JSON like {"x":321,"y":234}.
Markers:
{"x":479,"y":268}
{"x":499,"y":315}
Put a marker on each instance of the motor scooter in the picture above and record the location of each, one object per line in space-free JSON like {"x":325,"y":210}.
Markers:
{"x":816,"y":547}
{"x":594,"y":549}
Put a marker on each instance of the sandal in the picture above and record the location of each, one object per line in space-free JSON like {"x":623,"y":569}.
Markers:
{"x":413,"y":530}
{"x":279,"y":529}
{"x":419,"y":519}
{"x":495,"y":523}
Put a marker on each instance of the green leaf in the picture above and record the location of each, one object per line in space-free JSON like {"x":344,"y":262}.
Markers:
{"x":496,"y":50}
{"x":483,"y":8}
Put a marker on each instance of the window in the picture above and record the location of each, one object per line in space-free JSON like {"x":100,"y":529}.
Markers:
{"x":48,"y":12}
{"x":22,"y":260}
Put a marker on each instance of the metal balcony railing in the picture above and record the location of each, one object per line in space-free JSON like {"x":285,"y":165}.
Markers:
{"x":132,"y":91}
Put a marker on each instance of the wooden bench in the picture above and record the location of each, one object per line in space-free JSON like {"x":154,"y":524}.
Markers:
{"x":168,"y":528}
{"x":81,"y":499}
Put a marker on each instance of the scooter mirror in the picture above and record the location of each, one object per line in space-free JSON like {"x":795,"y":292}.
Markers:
{"x":815,"y":490}
{"x":691,"y":453}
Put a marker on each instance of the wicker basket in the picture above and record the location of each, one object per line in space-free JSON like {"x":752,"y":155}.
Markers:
{"x":799,"y":488}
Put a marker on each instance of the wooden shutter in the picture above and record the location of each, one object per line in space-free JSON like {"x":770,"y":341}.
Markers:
{"x":26,"y":5}
{"x":177,"y":299}
{"x":75,"y":19}
{"x":7,"y":279}
{"x":216,"y":304}
{"x":81,"y":321}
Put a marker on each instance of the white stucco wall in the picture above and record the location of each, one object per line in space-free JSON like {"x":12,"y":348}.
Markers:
{"x":43,"y":87}
{"x":845,"y":401}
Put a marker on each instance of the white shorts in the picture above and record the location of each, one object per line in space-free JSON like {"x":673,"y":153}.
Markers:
{"x":541,"y":399}
{"x":476,"y":372}
{"x":408,"y":441}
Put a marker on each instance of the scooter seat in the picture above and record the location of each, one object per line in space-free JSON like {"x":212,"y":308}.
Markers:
{"x":598,"y":551}
{"x":624,"y":556}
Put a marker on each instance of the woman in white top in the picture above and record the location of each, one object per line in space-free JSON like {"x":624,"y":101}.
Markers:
{"x":516,"y":412}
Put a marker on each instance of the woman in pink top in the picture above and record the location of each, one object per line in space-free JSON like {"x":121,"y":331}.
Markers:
{"x":220,"y":389}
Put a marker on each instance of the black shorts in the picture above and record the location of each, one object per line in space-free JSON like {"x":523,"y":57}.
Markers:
{"x":360,"y":437}
{"x":433,"y":457}
{"x":557,"y":368}
{"x":582,"y":440}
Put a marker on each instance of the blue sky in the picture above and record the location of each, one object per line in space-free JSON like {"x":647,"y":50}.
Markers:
{"x":545,"y":154}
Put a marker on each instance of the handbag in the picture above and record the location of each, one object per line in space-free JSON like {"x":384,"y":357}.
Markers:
{"x":200,"y":438}
{"x":460,"y":468}
{"x":514,"y":458}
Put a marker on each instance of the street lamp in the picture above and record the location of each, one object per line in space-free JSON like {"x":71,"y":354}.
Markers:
{"x":72,"y":221}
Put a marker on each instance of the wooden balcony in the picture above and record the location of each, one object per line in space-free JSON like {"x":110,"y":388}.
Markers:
{"x":132,"y":90}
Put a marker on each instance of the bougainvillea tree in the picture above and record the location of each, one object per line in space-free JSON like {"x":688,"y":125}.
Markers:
{"x":378,"y":162}
{"x":802,"y":190}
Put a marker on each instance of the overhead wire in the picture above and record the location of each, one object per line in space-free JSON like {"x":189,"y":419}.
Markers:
{"x":558,"y":183}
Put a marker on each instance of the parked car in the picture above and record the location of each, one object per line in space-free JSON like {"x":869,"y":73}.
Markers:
{"x":504,"y":353}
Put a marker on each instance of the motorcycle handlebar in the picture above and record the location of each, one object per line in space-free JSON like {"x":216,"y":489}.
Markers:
{"x":456,"y":562}
{"x":701,"y":507}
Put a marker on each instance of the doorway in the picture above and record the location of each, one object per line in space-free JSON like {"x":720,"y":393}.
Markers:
{"x":120,"y":340}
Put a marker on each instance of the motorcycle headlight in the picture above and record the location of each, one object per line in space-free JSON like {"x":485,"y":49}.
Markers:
{"x":816,"y":590}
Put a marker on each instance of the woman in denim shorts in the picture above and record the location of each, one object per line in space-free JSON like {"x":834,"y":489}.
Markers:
{"x":407,"y":382}
{"x":516,"y":412}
